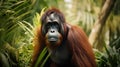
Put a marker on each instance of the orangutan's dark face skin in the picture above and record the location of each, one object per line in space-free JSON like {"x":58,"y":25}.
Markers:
{"x":52,"y":30}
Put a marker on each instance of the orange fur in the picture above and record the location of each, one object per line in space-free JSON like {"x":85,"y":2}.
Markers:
{"x":82,"y":54}
{"x":39,"y":45}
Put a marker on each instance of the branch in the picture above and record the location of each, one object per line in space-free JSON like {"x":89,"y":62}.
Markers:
{"x":103,"y":15}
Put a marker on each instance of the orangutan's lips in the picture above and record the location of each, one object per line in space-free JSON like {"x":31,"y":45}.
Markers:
{"x":52,"y":39}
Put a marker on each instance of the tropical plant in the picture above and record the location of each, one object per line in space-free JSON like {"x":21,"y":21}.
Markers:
{"x":109,"y":58}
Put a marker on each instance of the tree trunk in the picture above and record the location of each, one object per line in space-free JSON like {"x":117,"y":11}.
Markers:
{"x":95,"y":34}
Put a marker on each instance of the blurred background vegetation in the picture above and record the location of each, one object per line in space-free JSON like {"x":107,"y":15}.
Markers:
{"x":100,"y":19}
